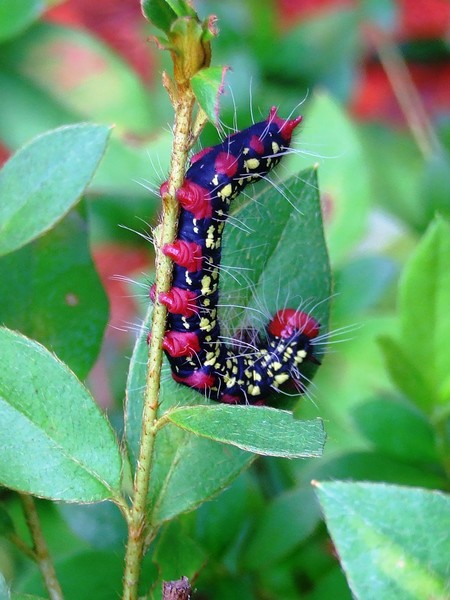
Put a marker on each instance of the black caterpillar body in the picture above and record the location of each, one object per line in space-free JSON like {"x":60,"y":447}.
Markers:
{"x":198,"y":357}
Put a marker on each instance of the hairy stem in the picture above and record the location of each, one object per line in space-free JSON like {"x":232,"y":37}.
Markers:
{"x":41,"y":553}
{"x":138,"y":528}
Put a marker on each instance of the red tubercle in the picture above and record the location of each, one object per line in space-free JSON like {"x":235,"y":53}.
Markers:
{"x":198,"y":380}
{"x":226,"y":164}
{"x":256,"y":144}
{"x":185,"y":254}
{"x":179,"y":301}
{"x":288,"y":321}
{"x":200,"y":154}
{"x":285,"y":126}
{"x":195,"y":199}
{"x":178,"y":343}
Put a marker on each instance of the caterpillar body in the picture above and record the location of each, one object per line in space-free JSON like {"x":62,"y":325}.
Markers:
{"x":193,"y":345}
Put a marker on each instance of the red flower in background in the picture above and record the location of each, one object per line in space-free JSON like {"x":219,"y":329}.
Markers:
{"x":117,"y":22}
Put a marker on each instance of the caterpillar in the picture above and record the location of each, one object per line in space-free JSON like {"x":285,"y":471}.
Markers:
{"x":198,"y":357}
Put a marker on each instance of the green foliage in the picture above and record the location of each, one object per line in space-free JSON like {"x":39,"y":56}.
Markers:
{"x":383,"y":394}
{"x":45,"y":179}
{"x":419,"y":362}
{"x":385,"y":549}
{"x":265,"y":431}
{"x":57,"y":444}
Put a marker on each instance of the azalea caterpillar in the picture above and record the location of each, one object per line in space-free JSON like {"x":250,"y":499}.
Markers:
{"x":197,"y":355}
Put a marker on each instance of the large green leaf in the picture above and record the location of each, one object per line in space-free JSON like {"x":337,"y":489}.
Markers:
{"x":262,"y":430}
{"x":40,"y":183}
{"x":50,"y":291}
{"x":392,"y":542}
{"x":55,"y":442}
{"x":286,"y":265}
{"x":422,"y":353}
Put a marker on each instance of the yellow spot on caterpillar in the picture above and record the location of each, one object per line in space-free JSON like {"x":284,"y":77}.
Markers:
{"x":208,"y":338}
{"x":300,"y":356}
{"x":251,"y":164}
{"x":215,"y":179}
{"x":257,"y":376}
{"x":206,"y":285}
{"x":185,"y":323}
{"x":188,"y":279}
{"x":254,"y":390}
{"x":241,"y":181}
{"x":206,"y":302}
{"x":281,"y":378}
{"x":276,"y":366}
{"x":229,"y":364}
{"x":215,"y":274}
{"x":226,"y":191}
{"x":245,"y":150}
{"x":231,"y":382}
{"x":210,"y":359}
{"x":235,"y":370}
{"x":275,"y":148}
{"x":205,"y":324}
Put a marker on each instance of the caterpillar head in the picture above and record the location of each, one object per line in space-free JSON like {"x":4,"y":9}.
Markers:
{"x":288,"y":322}
{"x":285,"y":126}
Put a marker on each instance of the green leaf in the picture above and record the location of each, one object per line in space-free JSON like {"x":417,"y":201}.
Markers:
{"x":160,"y":13}
{"x":40,"y":183}
{"x":55,"y":441}
{"x":208,"y":87}
{"x":286,"y":265}
{"x":424,"y":298}
{"x":17,"y":15}
{"x":344,"y":176}
{"x":397,"y":429}
{"x":50,"y":291}
{"x":286,"y":522}
{"x":391,"y":541}
{"x":263,"y":430}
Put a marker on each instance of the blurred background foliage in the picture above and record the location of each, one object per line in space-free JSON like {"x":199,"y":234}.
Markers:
{"x":372,"y":78}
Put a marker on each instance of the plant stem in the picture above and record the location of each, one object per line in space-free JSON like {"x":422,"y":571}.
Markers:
{"x":406,"y":93}
{"x":138,"y":528}
{"x":42,"y":555}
